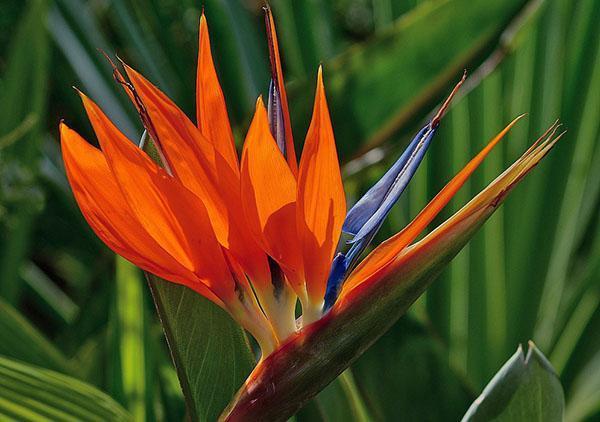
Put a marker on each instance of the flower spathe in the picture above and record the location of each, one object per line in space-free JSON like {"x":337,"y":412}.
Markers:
{"x":256,"y":233}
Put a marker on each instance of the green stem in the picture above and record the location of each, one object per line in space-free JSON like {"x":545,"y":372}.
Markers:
{"x":359,"y":409}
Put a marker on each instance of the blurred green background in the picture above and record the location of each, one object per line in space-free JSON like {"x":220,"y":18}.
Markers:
{"x":67,"y":305}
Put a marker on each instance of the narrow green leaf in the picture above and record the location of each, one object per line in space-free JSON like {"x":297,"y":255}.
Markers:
{"x":130,"y":329}
{"x":573,"y":331}
{"x":52,"y":298}
{"x":525,"y":389}
{"x":493,"y":232}
{"x":21,"y":340}
{"x":342,"y":401}
{"x":28,"y":393}
{"x":94,"y":79}
{"x":584,"y":400}
{"x":565,"y":245}
{"x":23,"y":94}
{"x":459,"y":268}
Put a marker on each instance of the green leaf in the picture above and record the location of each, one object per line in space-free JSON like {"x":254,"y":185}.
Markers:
{"x":210,"y":351}
{"x":51,"y":297}
{"x":584,"y":400}
{"x":342,"y":401}
{"x":389,"y":83}
{"x":20,"y":340}
{"x":23,"y":96}
{"x":525,"y":389}
{"x":28,"y":393}
{"x":131,"y":346}
{"x":406,"y":375}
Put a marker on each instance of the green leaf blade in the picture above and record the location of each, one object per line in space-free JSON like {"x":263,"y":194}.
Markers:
{"x":21,"y":340}
{"x":210,"y":351}
{"x":525,"y":389}
{"x":30,"y":393}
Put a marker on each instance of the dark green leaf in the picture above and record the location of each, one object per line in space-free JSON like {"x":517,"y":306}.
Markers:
{"x":20,"y":340}
{"x":382,"y":86}
{"x":23,"y":96}
{"x":406,"y":376}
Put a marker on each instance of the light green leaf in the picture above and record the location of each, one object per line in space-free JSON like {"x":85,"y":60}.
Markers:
{"x":525,"y":389}
{"x":211,"y":352}
{"x":131,"y":346}
{"x":28,"y":393}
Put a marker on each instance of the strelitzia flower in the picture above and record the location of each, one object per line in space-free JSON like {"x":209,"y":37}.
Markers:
{"x":257,"y":235}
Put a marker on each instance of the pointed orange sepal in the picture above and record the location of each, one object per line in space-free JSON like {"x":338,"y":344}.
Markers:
{"x":321,"y":199}
{"x":168,"y":211}
{"x":108,"y":213}
{"x":269,"y":197}
{"x":211,"y":111}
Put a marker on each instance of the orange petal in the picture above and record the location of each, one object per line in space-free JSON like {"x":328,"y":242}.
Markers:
{"x":389,"y":250}
{"x":107,"y":212}
{"x":211,"y":110}
{"x":276,"y":63}
{"x":164,"y":207}
{"x":206,"y":172}
{"x":321,"y":198}
{"x":241,"y":242}
{"x":190,"y":156}
{"x":269,"y":197}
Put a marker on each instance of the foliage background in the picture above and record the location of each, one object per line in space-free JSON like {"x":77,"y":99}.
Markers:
{"x":533,"y":272}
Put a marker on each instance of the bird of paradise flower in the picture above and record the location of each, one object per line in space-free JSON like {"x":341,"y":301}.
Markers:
{"x":257,"y":235}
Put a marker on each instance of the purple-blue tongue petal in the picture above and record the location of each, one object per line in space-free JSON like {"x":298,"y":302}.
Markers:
{"x":366,"y":217}
{"x":275,"y":112}
{"x":339,"y":269}
{"x":370,"y":211}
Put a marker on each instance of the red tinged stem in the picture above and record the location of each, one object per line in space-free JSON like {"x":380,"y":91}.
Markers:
{"x":438,"y":116}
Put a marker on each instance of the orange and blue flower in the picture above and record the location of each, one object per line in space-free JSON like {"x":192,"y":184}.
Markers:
{"x":259,"y":233}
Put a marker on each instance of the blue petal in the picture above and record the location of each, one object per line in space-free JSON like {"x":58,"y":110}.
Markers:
{"x":362,"y":211}
{"x":339,"y":270}
{"x":368,"y":214}
{"x":275,"y":112}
